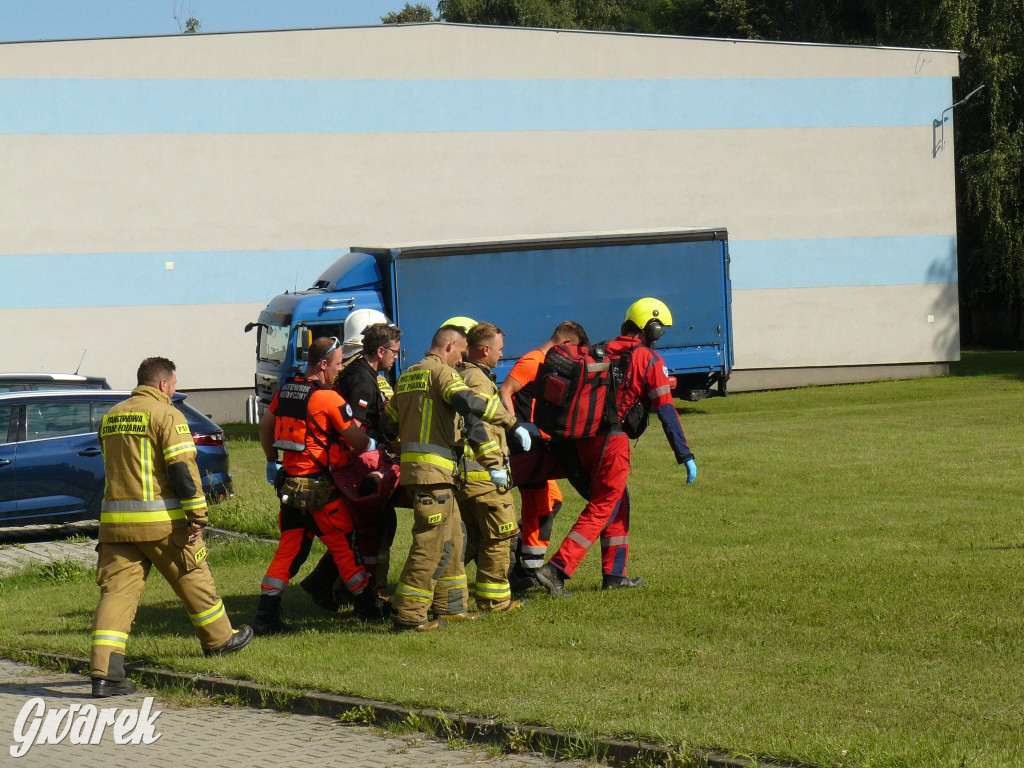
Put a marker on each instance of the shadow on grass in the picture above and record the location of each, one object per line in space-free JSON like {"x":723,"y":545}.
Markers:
{"x":169,"y":617}
{"x":985,"y":362}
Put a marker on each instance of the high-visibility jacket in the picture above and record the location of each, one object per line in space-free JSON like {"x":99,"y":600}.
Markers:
{"x":310,"y":417}
{"x":422,"y":414}
{"x":153,"y":485}
{"x":492,"y":454}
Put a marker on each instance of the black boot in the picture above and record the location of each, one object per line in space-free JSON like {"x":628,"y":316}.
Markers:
{"x":620,"y":582}
{"x":369,"y":608}
{"x":238,"y":640}
{"x":521,"y":579}
{"x":268,"y":617}
{"x":319,"y":584}
{"x":102,"y":687}
{"x":553,"y":580}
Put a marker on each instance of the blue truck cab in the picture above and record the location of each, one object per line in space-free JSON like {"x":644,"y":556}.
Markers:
{"x":526,"y":287}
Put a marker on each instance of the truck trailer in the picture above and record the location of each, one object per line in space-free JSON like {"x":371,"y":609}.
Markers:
{"x":524,"y":286}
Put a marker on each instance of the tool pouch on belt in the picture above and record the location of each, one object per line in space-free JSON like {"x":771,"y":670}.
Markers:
{"x":306,"y":493}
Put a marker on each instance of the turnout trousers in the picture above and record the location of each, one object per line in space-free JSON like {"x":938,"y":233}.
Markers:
{"x":434,"y":575}
{"x":121,"y":574}
{"x":540,"y":505}
{"x":605,"y":459}
{"x":333,"y":525}
{"x":490,"y":521}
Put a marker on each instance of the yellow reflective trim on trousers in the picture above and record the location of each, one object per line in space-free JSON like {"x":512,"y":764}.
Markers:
{"x":109,"y":637}
{"x":154,"y":516}
{"x":427,"y":458}
{"x":208,"y":617}
{"x":417,"y":595}
{"x":493,"y":590}
{"x":177,"y":450}
{"x":452,"y":582}
{"x":146,"y":462}
{"x":478,"y":477}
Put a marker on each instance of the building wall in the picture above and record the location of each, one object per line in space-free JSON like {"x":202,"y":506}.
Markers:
{"x":158,"y":191}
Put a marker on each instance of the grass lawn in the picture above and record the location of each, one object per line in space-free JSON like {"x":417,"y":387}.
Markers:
{"x":842,"y":586}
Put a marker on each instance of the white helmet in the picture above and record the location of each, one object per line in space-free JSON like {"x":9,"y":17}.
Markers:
{"x":355,"y":324}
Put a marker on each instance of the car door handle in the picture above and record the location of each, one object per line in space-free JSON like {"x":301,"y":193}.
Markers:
{"x":90,"y":452}
{"x":4,"y":462}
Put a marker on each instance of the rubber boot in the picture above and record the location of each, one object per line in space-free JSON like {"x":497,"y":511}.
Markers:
{"x":268,"y":617}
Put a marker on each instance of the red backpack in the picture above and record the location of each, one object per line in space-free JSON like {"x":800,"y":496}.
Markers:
{"x":575,"y":393}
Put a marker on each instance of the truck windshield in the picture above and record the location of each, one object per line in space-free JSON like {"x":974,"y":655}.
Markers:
{"x":273,"y":343}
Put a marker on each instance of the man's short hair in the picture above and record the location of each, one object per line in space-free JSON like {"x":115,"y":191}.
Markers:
{"x":444,"y":334}
{"x":569,"y":328}
{"x":379,"y":335}
{"x":153,"y":369}
{"x":483,"y":333}
{"x":318,"y":350}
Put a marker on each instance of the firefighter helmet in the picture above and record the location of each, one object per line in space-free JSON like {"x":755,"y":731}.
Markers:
{"x":651,"y":316}
{"x":464,"y":324}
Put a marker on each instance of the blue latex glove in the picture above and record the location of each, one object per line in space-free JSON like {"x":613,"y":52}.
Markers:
{"x":499,"y":477}
{"x":371,"y":447}
{"x":691,"y":471}
{"x":272,"y":469}
{"x":523,"y":436}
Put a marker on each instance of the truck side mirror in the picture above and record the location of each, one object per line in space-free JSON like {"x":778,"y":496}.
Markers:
{"x":303,"y":341}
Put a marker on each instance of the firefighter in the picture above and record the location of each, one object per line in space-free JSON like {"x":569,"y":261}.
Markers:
{"x":153,"y":513}
{"x":540,"y":502}
{"x":428,"y":398}
{"x":304,"y":419}
{"x":605,"y":457}
{"x":487,"y":510}
{"x":367,"y":392}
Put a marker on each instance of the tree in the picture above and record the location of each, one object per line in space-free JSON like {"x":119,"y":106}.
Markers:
{"x":989,"y":131}
{"x":409,"y":14}
{"x":191,"y":25}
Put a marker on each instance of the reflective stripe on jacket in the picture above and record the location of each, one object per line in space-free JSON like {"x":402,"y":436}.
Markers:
{"x":422,"y":414}
{"x":152,"y":480}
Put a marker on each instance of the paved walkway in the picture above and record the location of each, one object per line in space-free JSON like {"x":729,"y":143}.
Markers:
{"x":219,"y":736}
{"x":41,"y":544}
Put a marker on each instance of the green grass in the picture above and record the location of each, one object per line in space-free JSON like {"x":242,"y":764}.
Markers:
{"x":842,"y":586}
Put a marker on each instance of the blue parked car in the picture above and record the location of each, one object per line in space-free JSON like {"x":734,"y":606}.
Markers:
{"x":51,"y":468}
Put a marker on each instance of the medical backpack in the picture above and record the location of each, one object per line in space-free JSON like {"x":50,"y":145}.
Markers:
{"x":575,"y":393}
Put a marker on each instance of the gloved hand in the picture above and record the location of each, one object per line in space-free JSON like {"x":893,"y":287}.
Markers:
{"x":499,"y":477}
{"x":272,"y":469}
{"x":691,"y":471}
{"x":523,"y":436}
{"x":371,"y":447}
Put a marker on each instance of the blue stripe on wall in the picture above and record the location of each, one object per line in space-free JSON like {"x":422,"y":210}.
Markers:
{"x":232,"y":277}
{"x":839,"y":262}
{"x":84,"y":106}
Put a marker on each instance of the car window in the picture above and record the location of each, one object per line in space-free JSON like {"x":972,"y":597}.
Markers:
{"x":56,"y":419}
{"x":6,"y":411}
{"x":99,"y":410}
{"x":12,"y":387}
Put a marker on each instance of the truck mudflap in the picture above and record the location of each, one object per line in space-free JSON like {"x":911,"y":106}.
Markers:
{"x":697,"y":386}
